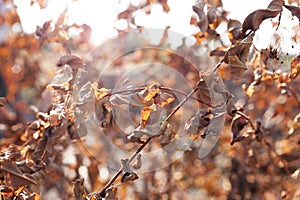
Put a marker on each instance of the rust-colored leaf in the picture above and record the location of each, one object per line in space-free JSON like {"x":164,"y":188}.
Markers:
{"x":295,"y":66}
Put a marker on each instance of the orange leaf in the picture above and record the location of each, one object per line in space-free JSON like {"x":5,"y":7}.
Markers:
{"x":295,"y":66}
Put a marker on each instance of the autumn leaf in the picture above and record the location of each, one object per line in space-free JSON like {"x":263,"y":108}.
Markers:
{"x":14,"y":175}
{"x":295,"y":66}
{"x":128,"y":175}
{"x":238,"y":124}
{"x":193,"y":127}
{"x":203,"y":21}
{"x":254,"y":19}
{"x":237,"y":57}
{"x":294,"y":10}
{"x":73,"y":61}
{"x":234,"y":30}
{"x":145,"y":114}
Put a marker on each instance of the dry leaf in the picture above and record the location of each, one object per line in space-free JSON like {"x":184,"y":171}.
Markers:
{"x":254,"y":19}
{"x":14,"y":175}
{"x":193,"y":127}
{"x":295,"y":66}
{"x":238,"y":124}
{"x":203,"y":21}
{"x":294,"y":10}
{"x":73,"y":61}
{"x":234,"y":30}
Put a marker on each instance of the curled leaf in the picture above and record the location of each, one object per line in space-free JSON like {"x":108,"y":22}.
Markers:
{"x":73,"y":61}
{"x":295,"y":66}
{"x":128,"y":175}
{"x":254,"y":19}
{"x":197,"y":123}
{"x":238,"y":124}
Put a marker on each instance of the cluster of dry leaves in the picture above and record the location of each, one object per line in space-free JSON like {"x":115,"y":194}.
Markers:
{"x":43,"y":152}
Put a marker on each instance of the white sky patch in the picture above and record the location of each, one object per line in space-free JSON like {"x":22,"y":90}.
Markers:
{"x":101,"y":16}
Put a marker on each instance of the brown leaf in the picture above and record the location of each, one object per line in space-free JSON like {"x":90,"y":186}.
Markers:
{"x":237,"y":56}
{"x":295,"y":66}
{"x":234,"y":30}
{"x":128,"y":175}
{"x":294,"y":10}
{"x":193,"y":127}
{"x":203,"y":21}
{"x":3,"y":101}
{"x":238,"y":124}
{"x":254,"y":19}
{"x":14,"y":176}
{"x":276,"y":5}
{"x":73,"y":61}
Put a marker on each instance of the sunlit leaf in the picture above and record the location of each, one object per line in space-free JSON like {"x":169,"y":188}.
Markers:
{"x":295,"y":66}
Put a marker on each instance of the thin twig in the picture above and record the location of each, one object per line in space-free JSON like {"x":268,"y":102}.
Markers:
{"x":136,"y":153}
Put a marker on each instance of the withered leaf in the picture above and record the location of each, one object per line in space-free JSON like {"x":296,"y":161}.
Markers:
{"x":234,"y":30}
{"x":276,"y":5}
{"x":14,"y":175}
{"x":3,"y":101}
{"x":212,"y":14}
{"x":295,"y":66}
{"x":254,"y":19}
{"x":230,"y":107}
{"x":203,"y":21}
{"x":40,"y":150}
{"x":238,"y":124}
{"x":128,"y":175}
{"x":237,"y":56}
{"x":196,"y":124}
{"x":73,"y":61}
{"x":294,"y":10}
{"x":206,"y":85}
